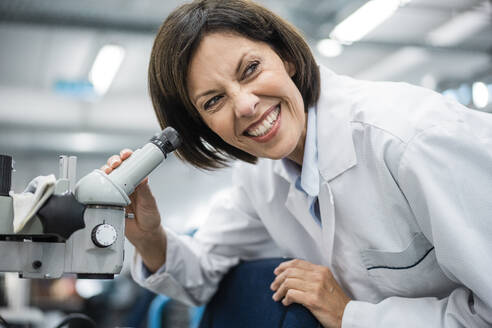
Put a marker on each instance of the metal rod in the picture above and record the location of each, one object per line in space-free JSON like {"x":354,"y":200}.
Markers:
{"x":63,"y":167}
{"x":72,"y":172}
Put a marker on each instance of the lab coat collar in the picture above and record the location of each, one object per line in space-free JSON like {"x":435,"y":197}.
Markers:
{"x":336,"y":151}
{"x":287,"y":169}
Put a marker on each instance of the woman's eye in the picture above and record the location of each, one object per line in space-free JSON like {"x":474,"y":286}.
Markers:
{"x":211,"y":102}
{"x":250,"y":69}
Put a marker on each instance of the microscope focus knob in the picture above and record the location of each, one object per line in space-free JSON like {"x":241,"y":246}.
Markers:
{"x":104,"y":235}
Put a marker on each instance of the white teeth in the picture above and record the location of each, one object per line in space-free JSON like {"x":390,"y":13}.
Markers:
{"x":265,"y":126}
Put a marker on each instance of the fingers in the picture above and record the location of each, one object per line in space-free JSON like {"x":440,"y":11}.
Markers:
{"x":106,"y":169}
{"x":289,"y":284}
{"x":296,"y":263}
{"x":301,"y":276}
{"x":112,"y":163}
{"x":288,"y":273}
{"x":314,"y":287}
{"x":125,"y":153}
{"x":115,"y":160}
{"x":296,"y":296}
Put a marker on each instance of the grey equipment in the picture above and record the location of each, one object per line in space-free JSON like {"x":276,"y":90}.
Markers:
{"x":80,"y":229}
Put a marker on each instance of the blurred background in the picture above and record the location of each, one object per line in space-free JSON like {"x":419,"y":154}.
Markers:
{"x":73,"y":81}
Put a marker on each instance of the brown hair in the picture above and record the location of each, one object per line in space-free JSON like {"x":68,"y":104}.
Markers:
{"x":176,"y":41}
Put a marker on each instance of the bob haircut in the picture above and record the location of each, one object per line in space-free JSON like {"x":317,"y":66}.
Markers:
{"x":175,"y":43}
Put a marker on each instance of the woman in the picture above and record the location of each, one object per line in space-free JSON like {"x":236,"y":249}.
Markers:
{"x":381,"y":190}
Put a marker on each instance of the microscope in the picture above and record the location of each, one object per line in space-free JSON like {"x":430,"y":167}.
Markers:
{"x":80,"y":229}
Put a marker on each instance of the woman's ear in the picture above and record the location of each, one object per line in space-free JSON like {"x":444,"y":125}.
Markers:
{"x":290,"y":68}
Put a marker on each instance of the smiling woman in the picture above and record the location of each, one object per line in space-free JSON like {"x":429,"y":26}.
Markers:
{"x":245,"y":35}
{"x":379,"y":190}
{"x":247,"y":96}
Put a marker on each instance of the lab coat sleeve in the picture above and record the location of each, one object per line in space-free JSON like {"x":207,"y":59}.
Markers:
{"x":446,"y":175}
{"x":195,"y":265}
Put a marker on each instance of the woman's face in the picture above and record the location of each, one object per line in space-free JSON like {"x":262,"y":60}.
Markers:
{"x":244,"y":93}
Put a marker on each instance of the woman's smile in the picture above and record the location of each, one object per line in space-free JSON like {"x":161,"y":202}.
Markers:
{"x":266,"y":127}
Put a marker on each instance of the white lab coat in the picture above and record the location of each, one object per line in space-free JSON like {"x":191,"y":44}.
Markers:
{"x":406,"y":210}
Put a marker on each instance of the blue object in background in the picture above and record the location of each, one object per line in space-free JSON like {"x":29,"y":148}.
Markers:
{"x":81,"y":90}
{"x":196,"y":315}
{"x":157,"y":307}
{"x":155,"y":311}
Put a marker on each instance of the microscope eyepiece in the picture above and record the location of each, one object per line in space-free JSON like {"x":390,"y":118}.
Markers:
{"x":167,"y":140}
{"x":99,"y":188}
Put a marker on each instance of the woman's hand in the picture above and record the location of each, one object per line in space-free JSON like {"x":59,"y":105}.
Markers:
{"x":314,"y":287}
{"x":146,"y":224}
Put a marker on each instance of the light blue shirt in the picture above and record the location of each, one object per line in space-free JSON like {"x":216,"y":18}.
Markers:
{"x":310,"y":174}
{"x":308,"y":180}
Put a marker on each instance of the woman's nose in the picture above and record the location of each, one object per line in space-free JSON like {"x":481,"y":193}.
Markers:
{"x":245,"y":104}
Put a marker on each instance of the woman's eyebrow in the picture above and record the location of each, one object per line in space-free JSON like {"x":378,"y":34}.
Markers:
{"x":238,"y":68}
{"x":240,"y":62}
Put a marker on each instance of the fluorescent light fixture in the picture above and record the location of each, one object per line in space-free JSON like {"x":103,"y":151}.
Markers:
{"x":105,"y":67}
{"x":480,"y":94}
{"x":365,"y":19}
{"x":459,"y":28}
{"x":329,"y":48}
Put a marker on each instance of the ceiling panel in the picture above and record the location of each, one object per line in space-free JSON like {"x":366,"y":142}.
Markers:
{"x":57,"y":40}
{"x":408,"y":24}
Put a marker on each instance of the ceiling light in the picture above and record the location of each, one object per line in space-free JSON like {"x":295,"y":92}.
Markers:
{"x":480,"y":94}
{"x":365,"y":19}
{"x":105,"y":67}
{"x":329,"y":48}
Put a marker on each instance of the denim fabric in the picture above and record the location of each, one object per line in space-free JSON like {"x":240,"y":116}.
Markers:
{"x":244,"y":300}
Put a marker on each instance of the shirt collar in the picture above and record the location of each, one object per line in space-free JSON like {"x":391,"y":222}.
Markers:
{"x":332,"y":145}
{"x":308,"y":181}
{"x":310,"y":172}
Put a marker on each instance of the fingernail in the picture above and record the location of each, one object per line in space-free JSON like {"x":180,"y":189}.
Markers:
{"x":274,"y":297}
{"x":113,"y":162}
